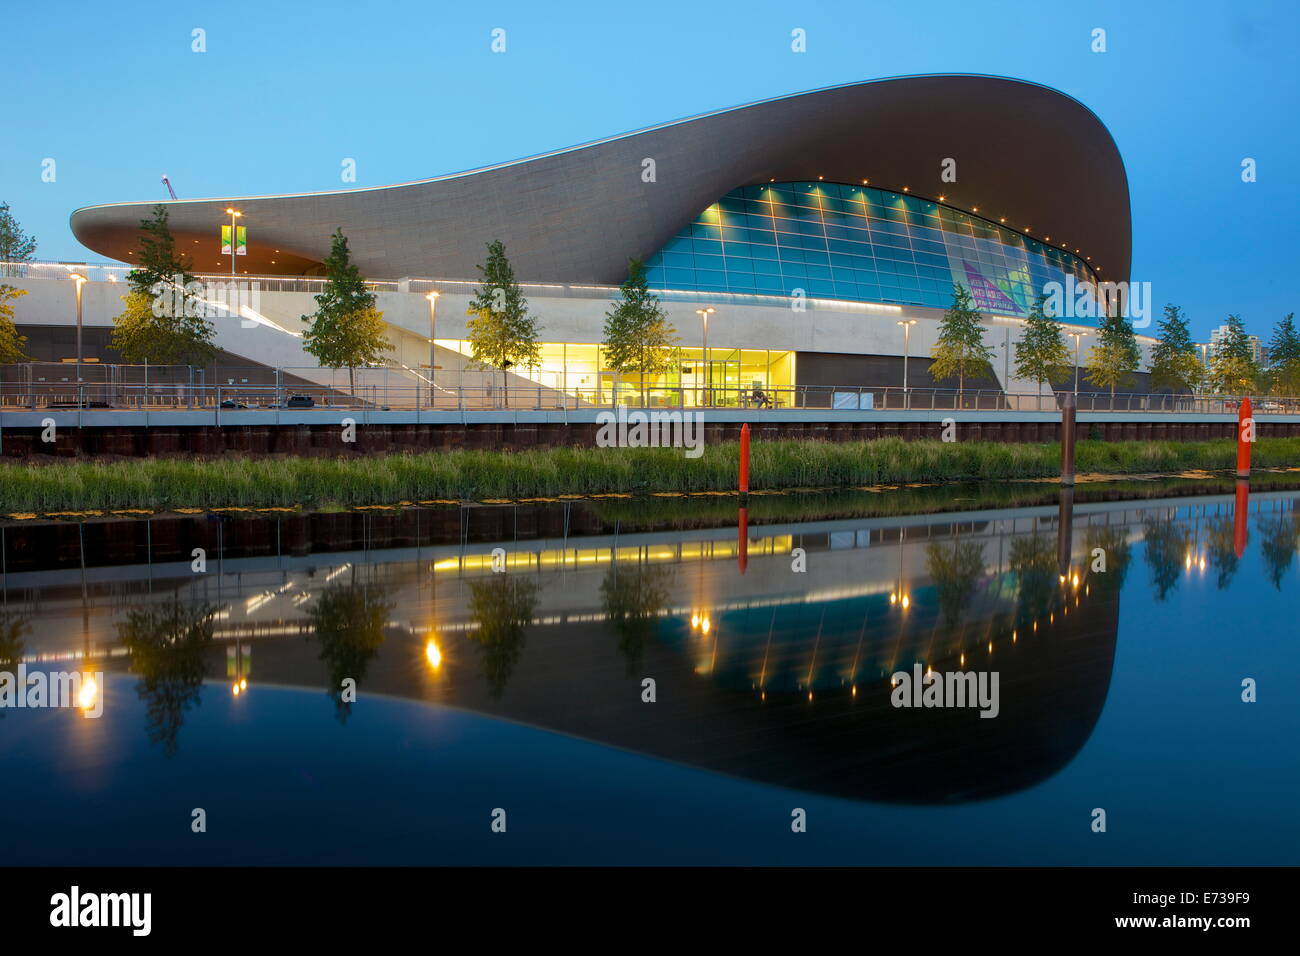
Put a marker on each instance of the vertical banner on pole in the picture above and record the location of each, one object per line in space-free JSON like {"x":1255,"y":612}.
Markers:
{"x":241,"y":240}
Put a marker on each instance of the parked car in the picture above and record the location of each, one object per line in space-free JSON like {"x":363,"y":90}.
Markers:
{"x":231,"y":403}
{"x":300,"y":401}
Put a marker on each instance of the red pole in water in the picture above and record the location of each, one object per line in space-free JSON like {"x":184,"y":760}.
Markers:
{"x":1245,"y":435}
{"x":1239,"y":517}
{"x":744,"y":458}
{"x":742,"y":552}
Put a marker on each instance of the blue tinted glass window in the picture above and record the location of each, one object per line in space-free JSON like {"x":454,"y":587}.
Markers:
{"x":854,"y":242}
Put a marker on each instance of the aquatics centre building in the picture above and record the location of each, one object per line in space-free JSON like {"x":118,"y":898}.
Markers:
{"x":825,"y":230}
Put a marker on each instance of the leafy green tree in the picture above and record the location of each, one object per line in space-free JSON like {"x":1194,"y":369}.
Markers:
{"x":167,"y":646}
{"x":1279,"y":537}
{"x":956,"y":571}
{"x":1221,"y":550}
{"x":1166,"y":544}
{"x":502,"y":332}
{"x":960,"y":349}
{"x":503,"y":606}
{"x":11,"y":343}
{"x":633,"y":598}
{"x":1175,"y":360}
{"x":1114,"y":542}
{"x":1033,"y":561}
{"x":16,"y":246}
{"x":163,"y":320}
{"x":1116,"y":356}
{"x":1284,"y":357}
{"x":348,"y":622}
{"x":346,"y":330}
{"x":1041,"y":355}
{"x":1233,"y":370}
{"x":638,"y":338}
{"x":13,"y":631}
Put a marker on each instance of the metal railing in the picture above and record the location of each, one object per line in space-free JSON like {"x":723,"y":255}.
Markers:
{"x":291,"y":392}
{"x":108,"y":272}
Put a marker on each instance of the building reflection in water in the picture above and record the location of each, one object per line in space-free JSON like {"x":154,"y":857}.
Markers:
{"x":761,"y":671}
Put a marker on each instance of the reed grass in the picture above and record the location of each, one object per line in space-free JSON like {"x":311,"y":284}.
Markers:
{"x":162,"y":484}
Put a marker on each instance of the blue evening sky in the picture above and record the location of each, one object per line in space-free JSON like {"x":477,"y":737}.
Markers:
{"x":410,"y":90}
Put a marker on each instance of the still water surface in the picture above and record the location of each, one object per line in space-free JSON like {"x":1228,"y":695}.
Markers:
{"x":522,"y":689}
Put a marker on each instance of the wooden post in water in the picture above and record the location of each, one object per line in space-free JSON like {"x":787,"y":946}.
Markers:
{"x":1067,"y":439}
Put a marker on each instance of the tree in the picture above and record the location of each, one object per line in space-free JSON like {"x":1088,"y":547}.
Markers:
{"x":11,"y":343}
{"x":1115,"y":357}
{"x":502,"y":333}
{"x":168,"y":646}
{"x":1284,"y":357}
{"x":1175,"y":362}
{"x":1041,"y":355}
{"x":348,"y":622}
{"x":638,"y":338}
{"x":163,"y":320}
{"x":503,"y":607}
{"x":955,"y":572}
{"x":346,"y":330}
{"x":1233,"y":369}
{"x":960,"y":349}
{"x":16,"y":246}
{"x":1166,"y":545}
{"x":632,"y":599}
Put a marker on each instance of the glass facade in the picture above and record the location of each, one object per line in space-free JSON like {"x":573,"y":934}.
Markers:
{"x":580,"y":370}
{"x":858,"y":243}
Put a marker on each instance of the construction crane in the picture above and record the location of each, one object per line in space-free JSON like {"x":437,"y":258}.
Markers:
{"x":167,"y":182}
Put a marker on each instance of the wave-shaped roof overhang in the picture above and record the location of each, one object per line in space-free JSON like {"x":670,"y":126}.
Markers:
{"x":1026,"y":154}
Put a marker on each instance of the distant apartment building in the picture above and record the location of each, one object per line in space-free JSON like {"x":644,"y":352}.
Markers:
{"x":1219,"y":335}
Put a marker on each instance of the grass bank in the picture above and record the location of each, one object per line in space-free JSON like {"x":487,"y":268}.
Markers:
{"x":160,"y":484}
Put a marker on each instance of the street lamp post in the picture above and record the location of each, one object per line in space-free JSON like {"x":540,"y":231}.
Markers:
{"x":1077,"y":337}
{"x":234,"y":251}
{"x":907,"y":331}
{"x":708,"y":372}
{"x":433,"y":328}
{"x":80,"y":280}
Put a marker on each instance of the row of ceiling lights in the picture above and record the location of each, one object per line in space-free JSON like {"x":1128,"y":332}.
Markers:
{"x":976,"y":209}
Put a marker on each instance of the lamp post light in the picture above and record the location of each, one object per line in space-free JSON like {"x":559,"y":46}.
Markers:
{"x":433,"y":328}
{"x":1077,"y":337}
{"x":234,"y":251}
{"x":907,"y":331}
{"x":80,"y":280}
{"x":708,"y":372}
{"x":234,"y":238}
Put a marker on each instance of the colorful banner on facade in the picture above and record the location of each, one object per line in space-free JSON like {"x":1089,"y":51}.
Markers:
{"x":241,"y":237}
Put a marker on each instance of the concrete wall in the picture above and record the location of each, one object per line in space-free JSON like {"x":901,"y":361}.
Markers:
{"x":824,"y":327}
